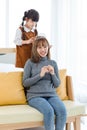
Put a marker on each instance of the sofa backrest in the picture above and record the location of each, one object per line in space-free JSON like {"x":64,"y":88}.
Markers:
{"x":65,"y":89}
{"x":12,"y":90}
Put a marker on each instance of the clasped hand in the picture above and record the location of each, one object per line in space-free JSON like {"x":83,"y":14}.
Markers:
{"x":47,"y":69}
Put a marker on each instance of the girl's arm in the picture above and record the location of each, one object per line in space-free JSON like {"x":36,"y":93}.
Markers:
{"x":31,"y":40}
{"x":18,"y":38}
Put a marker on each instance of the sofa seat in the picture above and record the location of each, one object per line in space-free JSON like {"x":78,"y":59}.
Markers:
{"x":75,"y":108}
{"x":24,"y":113}
{"x":18,"y":114}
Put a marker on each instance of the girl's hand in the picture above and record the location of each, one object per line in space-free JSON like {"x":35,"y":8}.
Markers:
{"x":31,"y":40}
{"x":50,"y":69}
{"x":44,"y":70}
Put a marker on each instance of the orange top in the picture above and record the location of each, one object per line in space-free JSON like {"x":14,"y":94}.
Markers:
{"x":23,"y":53}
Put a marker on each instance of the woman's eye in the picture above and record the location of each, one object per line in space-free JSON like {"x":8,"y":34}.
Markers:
{"x":39,"y":47}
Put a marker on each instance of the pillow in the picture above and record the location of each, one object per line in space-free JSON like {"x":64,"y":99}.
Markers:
{"x":11,"y":89}
{"x":61,"y":90}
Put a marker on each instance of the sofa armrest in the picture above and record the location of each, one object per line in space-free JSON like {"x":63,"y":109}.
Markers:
{"x":69,"y":88}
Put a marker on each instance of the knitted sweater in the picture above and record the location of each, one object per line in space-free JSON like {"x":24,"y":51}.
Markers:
{"x":40,"y":86}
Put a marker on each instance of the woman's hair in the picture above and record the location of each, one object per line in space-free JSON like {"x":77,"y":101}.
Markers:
{"x":31,"y":14}
{"x":39,"y":41}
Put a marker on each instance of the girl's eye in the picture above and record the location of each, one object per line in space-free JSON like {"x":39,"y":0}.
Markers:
{"x":39,"y":47}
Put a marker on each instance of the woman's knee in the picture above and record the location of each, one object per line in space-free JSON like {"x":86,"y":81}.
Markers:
{"x":62,"y":111}
{"x":42,"y":105}
{"x":49,"y":111}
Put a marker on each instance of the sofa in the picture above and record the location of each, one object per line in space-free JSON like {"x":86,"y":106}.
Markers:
{"x":15,"y":113}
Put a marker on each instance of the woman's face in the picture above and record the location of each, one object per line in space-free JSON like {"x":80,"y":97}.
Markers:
{"x":42,"y":50}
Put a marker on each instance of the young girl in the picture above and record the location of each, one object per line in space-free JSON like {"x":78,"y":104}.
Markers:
{"x":25,"y":35}
{"x":40,"y":79}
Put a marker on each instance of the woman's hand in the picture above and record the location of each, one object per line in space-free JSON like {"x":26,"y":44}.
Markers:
{"x":47,"y":69}
{"x":50,"y":69}
{"x":44,"y":70}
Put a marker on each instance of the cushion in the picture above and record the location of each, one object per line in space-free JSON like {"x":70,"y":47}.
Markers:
{"x":11,"y":89}
{"x":61,"y":90}
{"x":74,"y":108}
{"x":25,"y":113}
{"x":19,"y":114}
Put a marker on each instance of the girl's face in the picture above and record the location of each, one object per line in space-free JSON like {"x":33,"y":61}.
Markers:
{"x":30,"y":24}
{"x":42,"y":50}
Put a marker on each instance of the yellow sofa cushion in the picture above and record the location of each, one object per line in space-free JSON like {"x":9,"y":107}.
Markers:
{"x":11,"y":89}
{"x":61,"y":90}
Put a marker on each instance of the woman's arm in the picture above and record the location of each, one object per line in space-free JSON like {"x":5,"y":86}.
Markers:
{"x":27,"y":79}
{"x":55,"y":76}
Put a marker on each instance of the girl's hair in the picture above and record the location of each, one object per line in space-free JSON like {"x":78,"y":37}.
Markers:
{"x":39,"y":41}
{"x":30,"y":14}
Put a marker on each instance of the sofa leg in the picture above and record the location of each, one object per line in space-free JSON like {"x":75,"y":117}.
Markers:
{"x":77,"y":124}
{"x":68,"y":126}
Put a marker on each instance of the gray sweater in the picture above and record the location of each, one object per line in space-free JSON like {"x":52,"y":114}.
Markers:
{"x":40,"y":86}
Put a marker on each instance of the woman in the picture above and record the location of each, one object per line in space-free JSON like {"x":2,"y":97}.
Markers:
{"x":40,"y":79}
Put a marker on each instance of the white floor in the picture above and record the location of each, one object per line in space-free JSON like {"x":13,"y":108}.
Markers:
{"x":84,"y":123}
